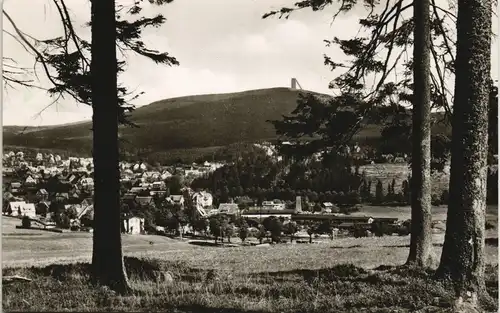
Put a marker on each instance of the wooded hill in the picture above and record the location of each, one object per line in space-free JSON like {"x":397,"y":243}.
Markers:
{"x":193,"y":125}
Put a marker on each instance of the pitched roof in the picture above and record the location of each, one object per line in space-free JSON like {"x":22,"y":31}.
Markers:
{"x":228,"y":208}
{"x":15,"y":185}
{"x":158,"y":192}
{"x":89,"y":208}
{"x":88,"y":201}
{"x":30,"y":179}
{"x":143,"y":200}
{"x":44,"y":203}
{"x":62,"y":195}
{"x":129,"y":196}
{"x":176,"y":198}
{"x":16,"y":204}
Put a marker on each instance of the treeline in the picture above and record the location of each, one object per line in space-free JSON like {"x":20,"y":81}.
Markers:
{"x":184,"y":156}
{"x":260,"y":177}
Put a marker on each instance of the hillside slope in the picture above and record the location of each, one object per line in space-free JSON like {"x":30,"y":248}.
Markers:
{"x":193,"y":122}
{"x":178,"y":123}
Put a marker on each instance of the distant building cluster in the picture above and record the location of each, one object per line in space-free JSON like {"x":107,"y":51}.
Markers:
{"x":37,"y":185}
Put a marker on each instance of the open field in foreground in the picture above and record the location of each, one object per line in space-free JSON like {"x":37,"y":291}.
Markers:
{"x":33,"y":247}
{"x":343,"y":275}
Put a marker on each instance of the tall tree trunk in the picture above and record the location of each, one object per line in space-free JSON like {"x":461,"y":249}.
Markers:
{"x":107,"y":257}
{"x":421,"y":236}
{"x":462,"y":258}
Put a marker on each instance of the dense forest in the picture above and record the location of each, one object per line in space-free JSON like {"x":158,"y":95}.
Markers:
{"x":259,"y":176}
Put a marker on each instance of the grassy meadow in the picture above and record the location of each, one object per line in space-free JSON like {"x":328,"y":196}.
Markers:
{"x":343,"y":275}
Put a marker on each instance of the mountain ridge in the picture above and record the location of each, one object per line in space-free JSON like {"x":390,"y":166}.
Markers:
{"x":182,"y":123}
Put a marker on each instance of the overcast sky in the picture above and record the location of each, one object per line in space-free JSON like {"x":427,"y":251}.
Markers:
{"x":222,"y":46}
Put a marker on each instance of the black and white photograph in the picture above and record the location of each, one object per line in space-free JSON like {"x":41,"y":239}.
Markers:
{"x":248,"y":156}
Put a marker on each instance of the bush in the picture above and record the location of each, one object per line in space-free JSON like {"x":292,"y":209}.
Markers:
{"x":276,"y":229}
{"x":26,"y":222}
{"x":86,"y":221}
{"x":41,"y":210}
{"x":262,"y":234}
{"x":253,"y":232}
{"x":349,"y":209}
{"x":243,"y":233}
{"x":62,"y":221}
{"x":352,"y":198}
{"x":405,"y":228}
{"x":358,"y":231}
{"x":436,"y":199}
{"x":71,"y":213}
{"x":380,"y":229}
{"x":489,"y":225}
{"x":379,"y":193}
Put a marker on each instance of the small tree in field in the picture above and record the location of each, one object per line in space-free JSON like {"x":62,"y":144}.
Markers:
{"x":201,"y":225}
{"x":311,"y":230}
{"x":379,"y":192}
{"x":215,"y":228}
{"x":276,"y":229}
{"x":62,"y":220}
{"x":228,"y":231}
{"x":325,"y":227}
{"x":290,"y":229}
{"x":262,"y":233}
{"x":406,"y":191}
{"x":26,"y":222}
{"x":243,"y":231}
{"x":267,"y":223}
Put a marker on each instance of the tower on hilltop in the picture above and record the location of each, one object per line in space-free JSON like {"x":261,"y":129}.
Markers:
{"x":295,"y":83}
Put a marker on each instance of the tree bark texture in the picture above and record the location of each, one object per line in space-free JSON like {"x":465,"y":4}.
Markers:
{"x":462,"y":258}
{"x":421,"y":235}
{"x":107,"y":256}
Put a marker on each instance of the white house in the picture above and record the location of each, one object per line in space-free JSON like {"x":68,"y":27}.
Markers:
{"x":176,"y":199}
{"x":193,"y":173}
{"x":22,"y":208}
{"x":202,"y":199}
{"x":134,"y":225}
{"x":228,"y":208}
{"x":159,"y":185}
{"x":273,"y":205}
{"x":87,"y":182}
{"x":16,"y":207}
{"x":30,"y":181}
